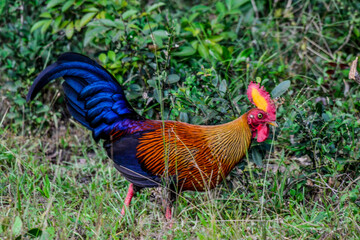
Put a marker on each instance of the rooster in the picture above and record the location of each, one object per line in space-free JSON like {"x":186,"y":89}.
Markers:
{"x":150,"y":153}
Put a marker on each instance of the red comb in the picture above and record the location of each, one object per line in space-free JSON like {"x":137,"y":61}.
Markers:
{"x":261,"y":99}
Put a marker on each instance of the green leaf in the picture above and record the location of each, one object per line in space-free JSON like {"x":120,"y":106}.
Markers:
{"x":223,"y":87}
{"x":238,"y":3}
{"x":86,"y":18}
{"x":51,"y":232}
{"x":173,"y":78}
{"x":46,"y":25}
{"x":229,"y":35}
{"x":356,"y":31}
{"x":152,"y":83}
{"x":217,"y":38}
{"x":292,"y":192}
{"x":194,"y":44}
{"x":280,"y":89}
{"x":92,"y":33}
{"x":64,"y":24}
{"x":57,"y":23}
{"x":184,"y":52}
{"x":134,"y":26}
{"x":203,"y":51}
{"x":91,"y":9}
{"x":45,"y":15}
{"x":102,"y":57}
{"x":354,"y":195}
{"x":229,"y":4}
{"x":107,"y":22}
{"x":47,"y":186}
{"x":150,"y":25}
{"x":20,"y":101}
{"x":129,"y":13}
{"x":155,"y":6}
{"x":325,"y":117}
{"x":158,"y":41}
{"x":53,"y":3}
{"x":34,"y":232}
{"x":17,"y":226}
{"x":77,"y":25}
{"x":111,"y":55}
{"x":218,"y":49}
{"x":256,"y":157}
{"x":37,"y":25}
{"x":193,"y":16}
{"x":161,"y":33}
{"x":200,"y":8}
{"x":69,"y":31}
{"x":135,"y":87}
{"x":184,"y":117}
{"x":67,"y":5}
{"x":220,"y":7}
{"x":2,"y":5}
{"x":320,"y":217}
{"x":243,"y":55}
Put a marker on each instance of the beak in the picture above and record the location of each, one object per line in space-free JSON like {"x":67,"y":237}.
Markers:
{"x":273,"y":124}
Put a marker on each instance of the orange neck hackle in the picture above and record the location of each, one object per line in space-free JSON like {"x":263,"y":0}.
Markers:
{"x":229,"y":142}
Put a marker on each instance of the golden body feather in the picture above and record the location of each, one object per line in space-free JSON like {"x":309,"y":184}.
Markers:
{"x":200,"y":156}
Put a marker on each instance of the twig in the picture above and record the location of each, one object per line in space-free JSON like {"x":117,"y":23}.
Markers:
{"x":317,"y":54}
{"x":319,"y":29}
{"x":348,"y":186}
{"x":77,"y":220}
{"x":255,"y":9}
{"x":319,"y":47}
{"x":347,"y":38}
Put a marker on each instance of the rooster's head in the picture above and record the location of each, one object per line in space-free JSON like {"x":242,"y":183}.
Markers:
{"x":264,"y":114}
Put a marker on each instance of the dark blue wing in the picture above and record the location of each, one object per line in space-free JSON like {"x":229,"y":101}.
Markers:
{"x":123,"y":153}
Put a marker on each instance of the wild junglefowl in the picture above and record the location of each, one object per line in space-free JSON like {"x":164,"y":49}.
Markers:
{"x":150,"y":153}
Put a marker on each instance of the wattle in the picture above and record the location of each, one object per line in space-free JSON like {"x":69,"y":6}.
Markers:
{"x":262,"y":132}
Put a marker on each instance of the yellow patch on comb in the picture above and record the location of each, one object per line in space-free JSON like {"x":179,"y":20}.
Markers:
{"x":259,"y":100}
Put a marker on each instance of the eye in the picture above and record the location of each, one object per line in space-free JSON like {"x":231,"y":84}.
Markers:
{"x":260,"y":116}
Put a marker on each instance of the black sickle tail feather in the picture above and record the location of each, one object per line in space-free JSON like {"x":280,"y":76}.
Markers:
{"x":94,"y":97}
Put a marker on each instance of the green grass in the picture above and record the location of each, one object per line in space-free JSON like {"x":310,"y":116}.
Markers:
{"x":303,"y":183}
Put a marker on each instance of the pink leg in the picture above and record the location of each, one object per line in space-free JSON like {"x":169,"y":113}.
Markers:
{"x":168,"y":213}
{"x":128,"y":198}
